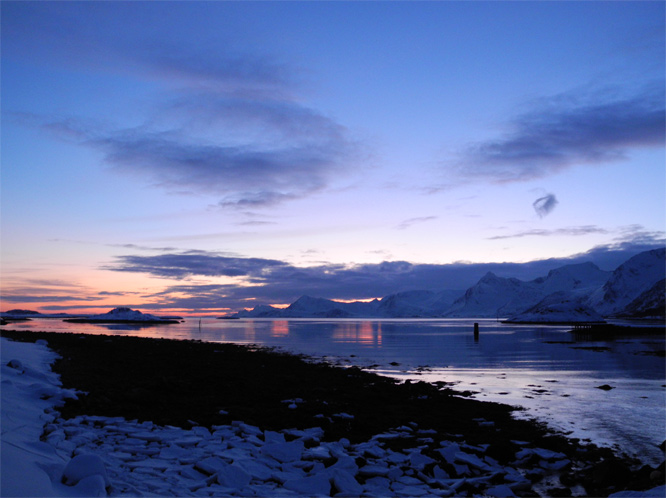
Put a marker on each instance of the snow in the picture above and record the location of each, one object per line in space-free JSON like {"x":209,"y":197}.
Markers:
{"x":44,"y":455}
{"x":559,"y":307}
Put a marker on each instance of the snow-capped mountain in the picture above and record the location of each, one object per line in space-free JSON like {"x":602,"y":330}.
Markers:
{"x":559,"y":307}
{"x":495,"y":296}
{"x":572,"y":293}
{"x":650,"y":304}
{"x":421,"y":303}
{"x":314,"y":307}
{"x":631,"y":279}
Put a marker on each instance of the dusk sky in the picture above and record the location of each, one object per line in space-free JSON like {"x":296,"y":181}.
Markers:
{"x":201,"y":157}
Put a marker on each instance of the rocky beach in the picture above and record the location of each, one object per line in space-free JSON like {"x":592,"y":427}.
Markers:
{"x":187,"y":418}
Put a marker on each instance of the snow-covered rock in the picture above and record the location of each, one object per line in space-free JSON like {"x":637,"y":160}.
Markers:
{"x":83,"y":466}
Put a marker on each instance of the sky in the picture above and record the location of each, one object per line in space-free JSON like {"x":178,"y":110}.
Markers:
{"x":203,"y":157}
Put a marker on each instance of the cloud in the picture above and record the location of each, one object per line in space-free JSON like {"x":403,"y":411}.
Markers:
{"x":544,"y":205}
{"x":413,"y":221}
{"x":223,"y":122}
{"x":571,"y":129}
{"x":262,"y":281}
{"x":36,"y":298}
{"x":195,"y":263}
{"x":304,"y":152}
{"x":568,"y":231}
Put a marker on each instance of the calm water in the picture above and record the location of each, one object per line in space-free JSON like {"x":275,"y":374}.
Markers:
{"x":543,"y":369}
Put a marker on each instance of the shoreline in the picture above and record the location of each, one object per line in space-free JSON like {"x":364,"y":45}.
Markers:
{"x":187,"y":384}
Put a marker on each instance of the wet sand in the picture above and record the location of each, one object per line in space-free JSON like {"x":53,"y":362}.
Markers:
{"x":183,"y":383}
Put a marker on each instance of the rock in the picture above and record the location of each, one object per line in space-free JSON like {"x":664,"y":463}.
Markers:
{"x":274,"y":437}
{"x":471,"y":460}
{"x":317,"y":453}
{"x":548,"y":454}
{"x":210,"y":465}
{"x":233,"y":476}
{"x":345,"y":484}
{"x":284,"y":452}
{"x":409,"y":491}
{"x":418,"y":461}
{"x":557,"y":465}
{"x":373,"y":471}
{"x":315,"y":485}
{"x":654,"y":492}
{"x":82,"y":466}
{"x":461,"y":470}
{"x":93,"y":485}
{"x":449,"y":451}
{"x":501,"y":491}
{"x":346,"y":463}
{"x":438,"y":473}
{"x":255,"y":468}
{"x":605,"y":387}
{"x":378,"y":485}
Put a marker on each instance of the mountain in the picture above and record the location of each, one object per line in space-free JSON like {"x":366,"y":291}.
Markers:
{"x":261,"y":311}
{"x":417,"y":303}
{"x":649,"y":304}
{"x":494,"y":296}
{"x":629,"y":281}
{"x":315,"y":307}
{"x":559,"y":307}
{"x":571,"y":293}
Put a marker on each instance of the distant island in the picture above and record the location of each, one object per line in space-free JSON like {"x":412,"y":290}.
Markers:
{"x":123,"y":315}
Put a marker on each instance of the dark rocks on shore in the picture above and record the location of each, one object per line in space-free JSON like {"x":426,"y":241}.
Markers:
{"x":605,"y":387}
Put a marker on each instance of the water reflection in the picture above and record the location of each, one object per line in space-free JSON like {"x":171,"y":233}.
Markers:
{"x":279,"y":328}
{"x":364,"y":333}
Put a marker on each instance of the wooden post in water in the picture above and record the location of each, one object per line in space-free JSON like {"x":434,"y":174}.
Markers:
{"x":476,"y":332}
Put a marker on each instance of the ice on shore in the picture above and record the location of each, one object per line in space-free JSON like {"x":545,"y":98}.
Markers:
{"x":44,"y":455}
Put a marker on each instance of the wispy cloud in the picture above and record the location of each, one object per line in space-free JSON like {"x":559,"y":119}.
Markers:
{"x":570,"y":129}
{"x":226,"y":123}
{"x":544,"y":205}
{"x":414,"y":221}
{"x":568,"y":231}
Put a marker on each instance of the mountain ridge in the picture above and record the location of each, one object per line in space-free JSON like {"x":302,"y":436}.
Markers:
{"x":576,"y":292}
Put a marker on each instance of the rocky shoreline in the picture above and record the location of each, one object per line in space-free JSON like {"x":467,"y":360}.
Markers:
{"x":205,"y":411}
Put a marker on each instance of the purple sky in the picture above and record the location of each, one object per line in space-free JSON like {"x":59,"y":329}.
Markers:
{"x":207,"y":156}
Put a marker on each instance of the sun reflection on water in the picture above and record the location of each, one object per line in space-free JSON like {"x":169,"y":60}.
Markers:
{"x":365,"y":333}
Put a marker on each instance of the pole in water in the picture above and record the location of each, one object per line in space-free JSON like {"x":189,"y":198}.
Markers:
{"x":476,"y":331}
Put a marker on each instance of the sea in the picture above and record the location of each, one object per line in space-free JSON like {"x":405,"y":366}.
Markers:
{"x":611,"y":392}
